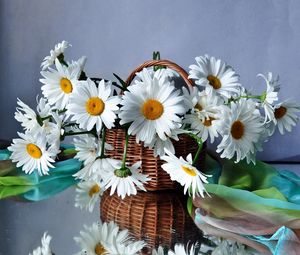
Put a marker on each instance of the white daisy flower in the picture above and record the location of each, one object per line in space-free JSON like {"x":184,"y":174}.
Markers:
{"x":241,"y":130}
{"x":269,"y":96}
{"x":285,"y":116}
{"x":258,"y":146}
{"x":216,"y":76}
{"x":159,"y":251}
{"x":162,"y":73}
{"x":58,"y":50}
{"x":79,"y":63}
{"x":97,"y":169}
{"x":151,"y":106}
{"x":43,"y":108}
{"x":191,"y":96}
{"x":26,"y":116}
{"x":126,"y":181}
{"x":101,"y":238}
{"x":158,"y":145}
{"x":55,"y":129}
{"x":206,"y":117}
{"x":59,"y":84}
{"x":87,"y":194}
{"x":185,"y":173}
{"x":271,"y":80}
{"x":32,"y":153}
{"x":45,"y":248}
{"x":89,"y":148}
{"x":179,"y":249}
{"x":92,"y":106}
{"x":32,"y":121}
{"x":206,"y":128}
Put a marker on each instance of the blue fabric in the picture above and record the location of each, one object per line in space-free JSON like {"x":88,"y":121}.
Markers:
{"x":288,"y":183}
{"x":283,"y":241}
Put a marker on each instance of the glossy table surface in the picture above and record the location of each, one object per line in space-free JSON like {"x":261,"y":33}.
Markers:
{"x":23,"y":224}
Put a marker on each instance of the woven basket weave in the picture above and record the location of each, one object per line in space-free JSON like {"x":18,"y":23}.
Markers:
{"x":151,"y":165}
{"x":158,"y":218}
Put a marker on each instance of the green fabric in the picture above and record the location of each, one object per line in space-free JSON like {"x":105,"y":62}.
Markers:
{"x":250,"y":203}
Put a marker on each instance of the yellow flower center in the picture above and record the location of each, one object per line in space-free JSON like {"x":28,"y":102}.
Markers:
{"x":189,"y":171}
{"x":198,"y":107}
{"x":280,"y":112}
{"x":152,"y":109}
{"x":95,"y":106}
{"x":33,"y":150}
{"x":66,"y":85}
{"x":237,"y":129}
{"x":207,"y":121}
{"x":99,"y":249}
{"x":94,"y":190}
{"x":214,"y":81}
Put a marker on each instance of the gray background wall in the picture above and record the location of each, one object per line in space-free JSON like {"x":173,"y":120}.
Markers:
{"x":254,"y":36}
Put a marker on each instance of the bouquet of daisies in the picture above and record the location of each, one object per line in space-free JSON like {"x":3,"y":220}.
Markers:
{"x":218,"y":109}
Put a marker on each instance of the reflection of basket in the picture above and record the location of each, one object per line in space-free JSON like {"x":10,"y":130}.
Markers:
{"x":159,"y":218}
{"x":151,"y":165}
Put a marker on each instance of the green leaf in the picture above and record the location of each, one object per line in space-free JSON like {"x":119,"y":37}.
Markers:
{"x":123,"y":83}
{"x":190,"y":205}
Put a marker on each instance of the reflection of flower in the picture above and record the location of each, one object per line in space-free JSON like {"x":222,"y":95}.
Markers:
{"x":58,"y":49}
{"x":126,"y":181}
{"x":185,"y":173}
{"x":93,"y":106}
{"x":159,"y":251}
{"x":224,"y":247}
{"x":105,"y":238}
{"x":45,"y":249}
{"x":33,"y":153}
{"x":180,"y":250}
{"x":217,"y":77}
{"x":87,"y":194}
{"x":152,"y":106}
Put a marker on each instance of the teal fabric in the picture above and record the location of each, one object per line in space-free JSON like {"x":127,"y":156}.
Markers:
{"x":4,"y":154}
{"x":33,"y":187}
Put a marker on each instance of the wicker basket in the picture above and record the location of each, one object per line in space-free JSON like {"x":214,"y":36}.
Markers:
{"x":151,"y":165}
{"x":158,"y":218}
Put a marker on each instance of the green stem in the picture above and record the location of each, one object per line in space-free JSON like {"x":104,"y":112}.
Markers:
{"x":195,"y":160}
{"x":248,"y":97}
{"x":70,"y":125}
{"x":125,"y":151}
{"x":103,"y":142}
{"x":62,"y":111}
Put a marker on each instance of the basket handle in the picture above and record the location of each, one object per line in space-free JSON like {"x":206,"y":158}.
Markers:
{"x":165,"y":63}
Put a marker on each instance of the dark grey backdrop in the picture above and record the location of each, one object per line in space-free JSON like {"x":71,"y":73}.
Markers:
{"x":252,"y":35}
